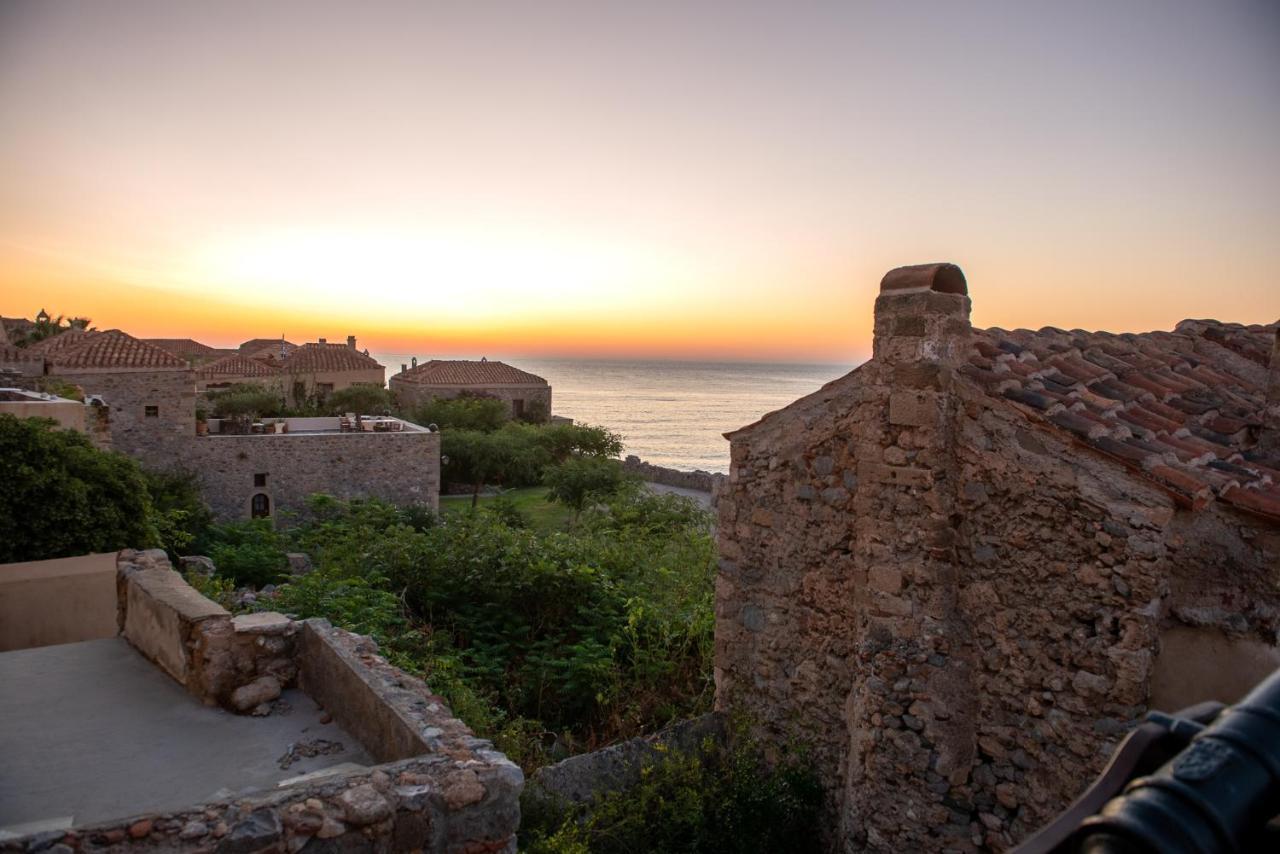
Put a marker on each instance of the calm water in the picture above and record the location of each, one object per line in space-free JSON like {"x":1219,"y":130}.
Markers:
{"x":669,"y":413}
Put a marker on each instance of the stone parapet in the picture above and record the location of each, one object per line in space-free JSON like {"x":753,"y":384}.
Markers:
{"x":698,"y":480}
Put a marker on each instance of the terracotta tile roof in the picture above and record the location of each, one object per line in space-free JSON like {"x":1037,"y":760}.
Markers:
{"x":61,"y":342}
{"x":111,"y":349}
{"x":254,"y":346}
{"x":188,"y":348}
{"x":310,"y":358}
{"x":1183,"y":409}
{"x":12,"y":354}
{"x":236,"y":366}
{"x":468,"y":373}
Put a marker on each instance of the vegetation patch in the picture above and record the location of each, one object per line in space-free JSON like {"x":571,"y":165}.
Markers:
{"x":707,"y":801}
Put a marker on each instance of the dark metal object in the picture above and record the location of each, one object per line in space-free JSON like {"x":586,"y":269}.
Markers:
{"x":1206,"y":781}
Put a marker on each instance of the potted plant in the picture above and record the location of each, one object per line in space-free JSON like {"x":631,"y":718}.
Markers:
{"x":202,"y":421}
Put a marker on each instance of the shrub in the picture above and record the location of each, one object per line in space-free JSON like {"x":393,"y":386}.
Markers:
{"x":362,"y":399}
{"x":578,"y":480}
{"x":704,"y":802}
{"x":485,"y":414}
{"x":247,"y":399}
{"x":61,"y":496}
{"x":181,"y":516}
{"x":249,"y":553}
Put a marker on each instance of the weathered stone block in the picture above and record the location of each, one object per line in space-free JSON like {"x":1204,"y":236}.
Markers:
{"x":887,"y":579}
{"x":914,"y":408}
{"x":895,"y":475}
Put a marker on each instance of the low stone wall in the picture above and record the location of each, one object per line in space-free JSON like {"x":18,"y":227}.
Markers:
{"x":343,"y":672}
{"x":65,"y":600}
{"x":702,"y":481}
{"x":403,"y":468}
{"x":579,"y":779}
{"x":241,"y":663}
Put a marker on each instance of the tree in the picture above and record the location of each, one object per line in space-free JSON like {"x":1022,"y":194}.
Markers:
{"x":45,"y":326}
{"x":181,"y":516}
{"x":64,"y":497}
{"x":485,"y":414}
{"x":361,"y":399}
{"x":564,"y":440}
{"x":578,"y":479}
{"x":478,"y":458}
{"x":247,"y":399}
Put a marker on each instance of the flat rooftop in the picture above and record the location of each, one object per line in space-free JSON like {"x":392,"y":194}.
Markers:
{"x":93,"y":731}
{"x":367,"y":425}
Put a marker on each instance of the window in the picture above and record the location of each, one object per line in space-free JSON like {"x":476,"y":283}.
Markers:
{"x":260,"y":479}
{"x":260,"y":506}
{"x":151,"y":411}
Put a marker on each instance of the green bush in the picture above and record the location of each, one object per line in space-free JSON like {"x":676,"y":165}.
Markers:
{"x":463,"y":413}
{"x":62,"y":497}
{"x":361,"y":399}
{"x":578,"y":480}
{"x":249,"y":553}
{"x":181,"y":516}
{"x":574,"y":638}
{"x":247,"y":399}
{"x":703,"y":802}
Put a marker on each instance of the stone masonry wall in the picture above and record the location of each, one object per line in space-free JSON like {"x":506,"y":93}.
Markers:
{"x":409,"y":395}
{"x":959,"y":612}
{"x":702,"y":481}
{"x":160,"y":441}
{"x":403,"y":468}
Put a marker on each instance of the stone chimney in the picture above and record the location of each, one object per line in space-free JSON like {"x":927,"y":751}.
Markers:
{"x":1269,"y":440}
{"x":403,"y":367}
{"x":351,"y":341}
{"x":323,"y":341}
{"x":922,"y":315}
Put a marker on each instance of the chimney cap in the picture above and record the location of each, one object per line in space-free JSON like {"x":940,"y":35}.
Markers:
{"x":943,"y":277}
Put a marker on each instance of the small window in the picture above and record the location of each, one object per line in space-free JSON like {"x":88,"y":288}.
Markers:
{"x":151,"y":411}
{"x":260,"y":479}
{"x":260,"y":506}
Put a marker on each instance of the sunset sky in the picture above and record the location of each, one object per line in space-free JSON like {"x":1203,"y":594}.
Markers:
{"x":709,"y":180}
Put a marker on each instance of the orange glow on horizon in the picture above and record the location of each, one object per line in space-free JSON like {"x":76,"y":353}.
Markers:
{"x":463,"y":179}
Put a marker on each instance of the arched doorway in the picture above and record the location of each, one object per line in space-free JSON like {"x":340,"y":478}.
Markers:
{"x":260,"y":506}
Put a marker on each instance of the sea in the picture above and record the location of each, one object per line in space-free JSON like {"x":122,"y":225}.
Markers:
{"x":669,"y":413}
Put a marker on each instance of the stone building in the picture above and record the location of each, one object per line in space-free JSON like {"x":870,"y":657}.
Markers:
{"x":274,"y":347}
{"x":235,"y":370}
{"x":963,"y":571}
{"x":317,"y":370}
{"x":262,"y":475}
{"x":528,"y":395}
{"x":190,"y":349}
{"x":150,"y":392}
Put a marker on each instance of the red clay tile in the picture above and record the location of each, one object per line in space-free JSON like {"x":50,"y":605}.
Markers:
{"x":1266,"y":502}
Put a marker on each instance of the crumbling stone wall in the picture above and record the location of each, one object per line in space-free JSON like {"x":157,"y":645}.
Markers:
{"x":959,"y":611}
{"x":241,"y":662}
{"x":158,"y":441}
{"x":403,"y":468}
{"x":702,"y":481}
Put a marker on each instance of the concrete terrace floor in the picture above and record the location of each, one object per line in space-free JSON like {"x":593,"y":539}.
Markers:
{"x":93,"y":731}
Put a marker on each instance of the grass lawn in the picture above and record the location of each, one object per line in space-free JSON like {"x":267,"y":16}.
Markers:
{"x":531,"y":501}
